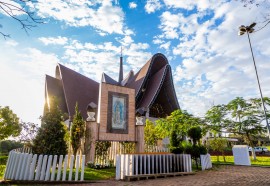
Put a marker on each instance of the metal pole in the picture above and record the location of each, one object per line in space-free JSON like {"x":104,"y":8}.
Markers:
{"x":263,"y":105}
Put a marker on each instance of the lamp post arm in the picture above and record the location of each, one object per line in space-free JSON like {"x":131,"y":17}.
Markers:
{"x":263,"y":105}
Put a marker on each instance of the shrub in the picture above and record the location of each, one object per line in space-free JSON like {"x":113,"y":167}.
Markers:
{"x":177,"y":150}
{"x":195,"y":151}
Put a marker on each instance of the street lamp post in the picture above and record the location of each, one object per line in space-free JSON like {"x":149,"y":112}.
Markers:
{"x":249,"y":29}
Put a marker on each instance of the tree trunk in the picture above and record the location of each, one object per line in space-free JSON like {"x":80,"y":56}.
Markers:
{"x":251,"y":143}
{"x":253,"y":153}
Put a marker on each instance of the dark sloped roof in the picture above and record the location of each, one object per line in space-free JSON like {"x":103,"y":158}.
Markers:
{"x":152,"y":88}
{"x":77,"y":88}
{"x":54,"y":87}
{"x":128,"y":77}
{"x":154,"y":84}
{"x":108,"y":79}
{"x":139,"y":79}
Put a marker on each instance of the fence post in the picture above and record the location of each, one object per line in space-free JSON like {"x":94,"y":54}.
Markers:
{"x":65,"y":168}
{"x":19,"y":163}
{"x":43,"y":169}
{"x":32,"y":168}
{"x":27,"y":166}
{"x":38,"y":171}
{"x":8,"y":165}
{"x":53,"y":167}
{"x":118,"y":167}
{"x":82,"y":170}
{"x":49,"y":164}
{"x":71,"y":168}
{"x":59,"y":168}
{"x":77,"y":167}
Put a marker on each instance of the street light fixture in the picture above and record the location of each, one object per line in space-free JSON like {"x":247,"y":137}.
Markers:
{"x":249,"y":29}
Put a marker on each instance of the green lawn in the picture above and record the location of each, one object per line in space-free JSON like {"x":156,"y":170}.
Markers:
{"x":261,"y":161}
{"x":99,"y":174}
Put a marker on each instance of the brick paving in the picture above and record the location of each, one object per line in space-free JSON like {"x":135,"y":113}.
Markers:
{"x":219,"y":176}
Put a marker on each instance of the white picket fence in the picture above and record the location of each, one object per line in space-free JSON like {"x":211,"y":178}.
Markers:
{"x":26,"y":166}
{"x":118,"y":148}
{"x":206,"y":162}
{"x":139,"y":164}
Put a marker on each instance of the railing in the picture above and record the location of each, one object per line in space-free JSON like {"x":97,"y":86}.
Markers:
{"x":26,"y":166}
{"x":139,"y":164}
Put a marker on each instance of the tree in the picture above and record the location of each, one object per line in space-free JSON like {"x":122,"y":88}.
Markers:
{"x":195,"y":133}
{"x":219,"y":145}
{"x":150,"y":135}
{"x":180,"y":121}
{"x":50,"y":138}
{"x":175,"y":143}
{"x":242,"y":117}
{"x":19,"y":11}
{"x":9,"y":123}
{"x":215,"y":118}
{"x":246,"y":117}
{"x":8,"y":145}
{"x":77,"y":130}
{"x":28,"y":132}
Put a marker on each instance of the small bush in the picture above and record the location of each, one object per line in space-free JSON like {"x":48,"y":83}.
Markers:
{"x":203,"y":149}
{"x":177,"y":150}
{"x":3,"y":160}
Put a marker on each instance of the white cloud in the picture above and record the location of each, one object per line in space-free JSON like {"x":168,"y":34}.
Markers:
{"x":101,"y":15}
{"x":54,"y":40}
{"x":105,"y":57}
{"x":11,"y":8}
{"x":132,"y":5}
{"x":217,"y":64}
{"x":170,"y":25}
{"x":181,"y":4}
{"x":11,"y":42}
{"x":166,"y":46}
{"x":23,"y":75}
{"x":152,"y":5}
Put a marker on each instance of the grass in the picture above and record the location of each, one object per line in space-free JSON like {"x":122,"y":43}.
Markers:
{"x":99,"y":174}
{"x":260,"y":160}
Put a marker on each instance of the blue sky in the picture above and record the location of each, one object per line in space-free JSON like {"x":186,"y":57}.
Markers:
{"x":211,"y":64}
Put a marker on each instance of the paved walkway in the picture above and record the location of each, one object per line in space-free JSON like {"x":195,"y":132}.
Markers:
{"x":221,"y":176}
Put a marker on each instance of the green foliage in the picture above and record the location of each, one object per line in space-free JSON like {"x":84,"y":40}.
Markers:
{"x":175,"y":143}
{"x":150,"y":135}
{"x":195,"y":151}
{"x":9,"y":123}
{"x":216,"y":118}
{"x":239,"y":116}
{"x":129,"y":147}
{"x":202,"y":149}
{"x":51,"y":134}
{"x":219,"y":145}
{"x":195,"y":133}
{"x":8,"y":145}
{"x":102,"y":149}
{"x":77,"y":130}
{"x":179,"y":120}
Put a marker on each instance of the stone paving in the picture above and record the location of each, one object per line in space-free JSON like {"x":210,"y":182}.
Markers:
{"x":220,"y":176}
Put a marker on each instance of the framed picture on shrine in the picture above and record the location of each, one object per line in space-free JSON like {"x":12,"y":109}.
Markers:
{"x":117,"y":119}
